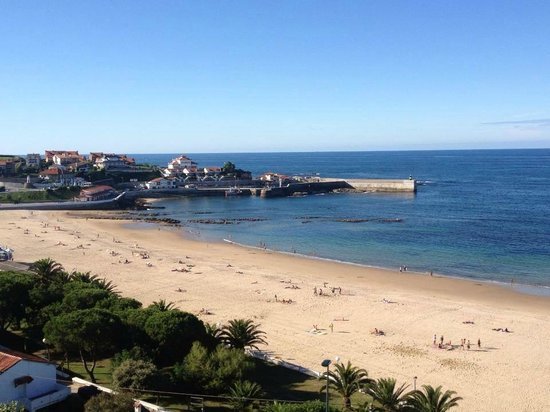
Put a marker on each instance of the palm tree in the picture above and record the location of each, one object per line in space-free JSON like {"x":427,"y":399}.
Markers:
{"x":48,"y":270}
{"x":101,"y":283}
{"x":213,"y":331}
{"x":242,"y":333}
{"x":386,"y":397}
{"x":433,"y":400}
{"x":242,"y":394}
{"x":162,"y":305}
{"x":346,"y":380}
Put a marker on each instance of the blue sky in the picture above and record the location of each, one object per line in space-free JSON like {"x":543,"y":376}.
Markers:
{"x":236,"y":76}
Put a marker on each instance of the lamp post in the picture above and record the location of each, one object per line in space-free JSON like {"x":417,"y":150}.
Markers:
{"x":45,"y":342}
{"x":414,"y":382}
{"x":326,"y":364}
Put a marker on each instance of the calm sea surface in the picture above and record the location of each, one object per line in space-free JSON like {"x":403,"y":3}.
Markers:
{"x":481,"y":214}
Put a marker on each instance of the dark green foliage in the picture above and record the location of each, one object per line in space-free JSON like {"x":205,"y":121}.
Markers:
{"x":121,"y":402}
{"x":346,"y":380}
{"x":243,"y":393}
{"x":387,"y":397}
{"x":11,"y":407}
{"x":310,"y":406}
{"x":241,"y":334}
{"x":173,"y":332}
{"x":48,"y":271}
{"x":64,"y":193}
{"x":162,"y":305}
{"x":14,"y":297}
{"x":89,"y":332}
{"x":100,"y":283}
{"x":83,"y":296}
{"x":134,"y":374}
{"x":134,"y":353}
{"x":212,"y":371}
{"x":432,"y":399}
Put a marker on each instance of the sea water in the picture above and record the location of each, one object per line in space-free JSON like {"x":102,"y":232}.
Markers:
{"x":480,"y":214}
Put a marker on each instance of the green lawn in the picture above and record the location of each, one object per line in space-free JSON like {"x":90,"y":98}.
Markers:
{"x":29,"y":196}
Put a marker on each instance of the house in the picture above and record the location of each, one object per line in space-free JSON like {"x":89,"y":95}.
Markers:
{"x":29,"y":380}
{"x":50,"y":154}
{"x":111,"y":162}
{"x":7,"y":167}
{"x":161,"y":183}
{"x":79,"y":167}
{"x":180,"y":166}
{"x":95,"y":157}
{"x":57,"y":174}
{"x":97,"y":193}
{"x":212,"y":171}
{"x":64,"y":159}
{"x":33,"y":160}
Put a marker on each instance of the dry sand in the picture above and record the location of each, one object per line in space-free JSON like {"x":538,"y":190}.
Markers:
{"x":510,"y":372}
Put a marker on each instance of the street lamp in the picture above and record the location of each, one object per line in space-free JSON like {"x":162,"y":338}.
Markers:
{"x":45,"y":342}
{"x":414,"y":382}
{"x":325,"y":364}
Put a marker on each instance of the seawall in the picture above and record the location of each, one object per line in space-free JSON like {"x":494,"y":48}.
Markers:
{"x":378,"y":185}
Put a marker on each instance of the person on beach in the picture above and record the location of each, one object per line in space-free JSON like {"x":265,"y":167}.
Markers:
{"x":435,"y":339}
{"x":276,"y":298}
{"x":441,"y":339}
{"x":479,"y":343}
{"x":315,"y":290}
{"x":468,"y":345}
{"x":331,"y":326}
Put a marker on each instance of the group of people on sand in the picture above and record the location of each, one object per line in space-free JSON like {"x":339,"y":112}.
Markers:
{"x":283,"y":300}
{"x":464,"y":343}
{"x":333,"y":290}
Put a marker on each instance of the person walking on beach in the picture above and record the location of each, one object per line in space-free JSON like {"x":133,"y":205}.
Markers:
{"x":331,"y":326}
{"x":468,"y":345}
{"x":479,"y":343}
{"x":435,"y":339}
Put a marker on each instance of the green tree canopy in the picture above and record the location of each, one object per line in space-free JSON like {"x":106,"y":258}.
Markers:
{"x":242,"y":333}
{"x":173,"y":332}
{"x":387,"y":397}
{"x":212,"y":371}
{"x":48,"y":270}
{"x":90,"y":332}
{"x":432,"y":399}
{"x":14,"y":297}
{"x":346,"y":380}
{"x":120,"y":402}
{"x":134,"y":374}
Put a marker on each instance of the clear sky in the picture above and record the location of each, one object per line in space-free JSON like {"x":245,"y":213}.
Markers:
{"x":289,"y":75}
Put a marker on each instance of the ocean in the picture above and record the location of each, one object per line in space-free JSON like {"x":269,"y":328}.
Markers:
{"x":477,"y":214}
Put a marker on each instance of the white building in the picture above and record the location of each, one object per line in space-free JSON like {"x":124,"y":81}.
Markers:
{"x":111,"y":161}
{"x":161,"y":183}
{"x":180,"y":166}
{"x":29,"y":380}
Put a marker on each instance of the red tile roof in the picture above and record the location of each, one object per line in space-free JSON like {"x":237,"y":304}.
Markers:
{"x":96,"y":189}
{"x":9,"y":357}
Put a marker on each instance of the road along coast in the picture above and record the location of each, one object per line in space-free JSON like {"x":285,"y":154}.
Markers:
{"x":297,"y":299}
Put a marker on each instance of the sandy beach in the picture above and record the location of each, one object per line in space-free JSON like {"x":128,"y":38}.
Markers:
{"x":508,"y":372}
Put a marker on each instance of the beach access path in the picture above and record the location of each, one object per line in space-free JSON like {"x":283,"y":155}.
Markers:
{"x":313,"y":309}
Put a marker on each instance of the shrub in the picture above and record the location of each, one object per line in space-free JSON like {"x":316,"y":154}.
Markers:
{"x":214,"y":371}
{"x":134,"y":374}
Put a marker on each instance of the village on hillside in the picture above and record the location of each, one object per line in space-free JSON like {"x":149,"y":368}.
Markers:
{"x":100,"y":176}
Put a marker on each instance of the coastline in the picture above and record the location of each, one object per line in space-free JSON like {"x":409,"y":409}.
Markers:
{"x":234,"y":281}
{"x":523,"y":288}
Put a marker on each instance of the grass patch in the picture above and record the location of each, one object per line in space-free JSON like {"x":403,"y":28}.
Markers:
{"x":29,"y":196}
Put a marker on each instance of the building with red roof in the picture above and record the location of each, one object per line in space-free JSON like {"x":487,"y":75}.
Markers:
{"x":29,"y":380}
